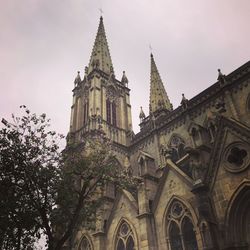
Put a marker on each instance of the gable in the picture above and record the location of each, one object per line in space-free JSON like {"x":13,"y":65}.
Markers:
{"x":173,"y":182}
{"x":124,"y":204}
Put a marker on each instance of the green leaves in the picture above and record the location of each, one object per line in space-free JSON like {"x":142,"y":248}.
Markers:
{"x":43,"y":191}
{"x":29,"y":171}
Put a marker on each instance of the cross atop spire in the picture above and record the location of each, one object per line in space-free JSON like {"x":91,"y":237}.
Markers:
{"x":158,"y":95}
{"x":100,"y":56}
{"x":101,"y":11}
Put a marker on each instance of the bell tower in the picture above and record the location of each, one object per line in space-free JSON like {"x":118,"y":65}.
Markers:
{"x":101,"y":103}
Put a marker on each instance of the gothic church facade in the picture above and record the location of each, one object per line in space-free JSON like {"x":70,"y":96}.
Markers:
{"x":194,"y":160}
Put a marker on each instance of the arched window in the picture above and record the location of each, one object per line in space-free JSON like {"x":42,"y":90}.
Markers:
{"x":111,"y":112}
{"x":180,"y":229}
{"x":85,"y":244}
{"x":108,"y":109}
{"x":125,"y":238}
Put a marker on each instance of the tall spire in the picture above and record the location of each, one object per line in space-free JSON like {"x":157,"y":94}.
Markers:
{"x":100,"y":57}
{"x":158,"y":95}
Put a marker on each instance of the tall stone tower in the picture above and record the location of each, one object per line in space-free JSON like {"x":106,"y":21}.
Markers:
{"x":100,"y":101}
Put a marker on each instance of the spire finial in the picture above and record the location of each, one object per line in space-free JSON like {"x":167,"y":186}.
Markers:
{"x":151,"y":50}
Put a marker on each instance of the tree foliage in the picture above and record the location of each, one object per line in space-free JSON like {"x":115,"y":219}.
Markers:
{"x":44,"y":190}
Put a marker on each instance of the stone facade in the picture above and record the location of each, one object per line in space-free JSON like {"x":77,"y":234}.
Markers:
{"x":194,"y":160}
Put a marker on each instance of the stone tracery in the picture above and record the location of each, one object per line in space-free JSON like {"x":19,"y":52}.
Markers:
{"x":125,"y":237}
{"x":180,"y":229}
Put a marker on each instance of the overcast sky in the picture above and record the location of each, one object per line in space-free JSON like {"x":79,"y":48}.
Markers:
{"x":43,"y":43}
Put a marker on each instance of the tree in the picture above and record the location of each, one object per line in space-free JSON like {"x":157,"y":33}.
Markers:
{"x":43,"y":190}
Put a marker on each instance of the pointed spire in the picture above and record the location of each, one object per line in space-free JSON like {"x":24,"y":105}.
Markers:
{"x":100,"y":57}
{"x":158,"y":95}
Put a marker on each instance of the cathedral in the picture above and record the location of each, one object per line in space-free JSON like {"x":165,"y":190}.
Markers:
{"x":193,"y":160}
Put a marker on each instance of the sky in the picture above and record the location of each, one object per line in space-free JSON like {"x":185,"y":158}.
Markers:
{"x":43,"y":43}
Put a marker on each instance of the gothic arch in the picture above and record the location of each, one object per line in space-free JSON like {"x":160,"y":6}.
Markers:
{"x":180,"y":225}
{"x":132,"y":234}
{"x":238,"y":217}
{"x":85,"y":243}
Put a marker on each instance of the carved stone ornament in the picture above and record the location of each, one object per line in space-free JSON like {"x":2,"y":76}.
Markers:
{"x":177,"y":211}
{"x":236,"y":157}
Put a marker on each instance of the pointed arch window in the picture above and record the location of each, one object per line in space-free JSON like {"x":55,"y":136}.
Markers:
{"x":125,"y":238}
{"x":111,"y":112}
{"x":85,"y":244}
{"x":108,"y":109}
{"x":180,"y":229}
